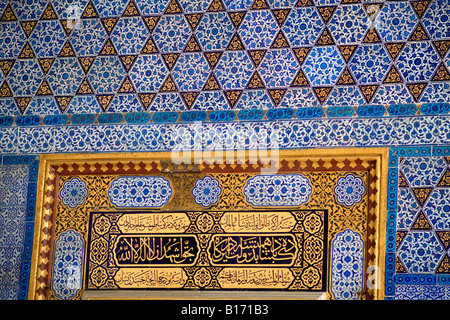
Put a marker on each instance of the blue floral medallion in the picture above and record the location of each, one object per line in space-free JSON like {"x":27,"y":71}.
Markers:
{"x":206,"y":191}
{"x":349,"y":190}
{"x":74,"y":192}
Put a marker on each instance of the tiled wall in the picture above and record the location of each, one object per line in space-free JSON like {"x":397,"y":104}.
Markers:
{"x":134,"y":75}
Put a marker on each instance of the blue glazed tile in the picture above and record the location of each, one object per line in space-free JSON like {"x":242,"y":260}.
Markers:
{"x":65,"y":76}
{"x":48,"y":38}
{"x":258,"y":29}
{"x":12,"y":40}
{"x":256,"y":99}
{"x":82,"y":118}
{"x":251,"y":114}
{"x":84,"y":104}
{"x":129,"y":35}
{"x":188,"y":116}
{"x":371,"y":111}
{"x":422,"y":279}
{"x":110,"y":118}
{"x":349,"y":24}
{"x":210,"y":100}
{"x":374,"y":132}
{"x":280,"y":113}
{"x":309,"y":112}
{"x":9,"y":107}
{"x":191,"y":71}
{"x":392,"y":94}
{"x":194,"y":6}
{"x":299,"y":97}
{"x":435,"y":108}
{"x":69,"y":9}
{"x":402,"y":109}
{"x":339,"y":111}
{"x":419,"y":130}
{"x":125,"y":103}
{"x":106,"y":74}
{"x":50,"y":120}
{"x":29,"y":10}
{"x":148,"y":73}
{"x":28,"y":120}
{"x":396,"y":21}
{"x":418,"y":61}
{"x":171,"y":34}
{"x":443,"y":279}
{"x":167,"y":101}
{"x":436,"y":92}
{"x":25,"y":77}
{"x":148,"y":8}
{"x":345,"y":95}
{"x":137,"y":117}
{"x":324,"y":65}
{"x":72,"y":138}
{"x":278,"y":68}
{"x":436,"y":21}
{"x":234,"y":70}
{"x":32,"y":140}
{"x":227,"y":115}
{"x":370,"y":63}
{"x":214,"y":31}
{"x":303,"y":26}
{"x":89,"y":38}
{"x":109,"y":8}
{"x":6,"y":121}
{"x":392,"y":188}
{"x":165,"y":117}
{"x":44,"y":105}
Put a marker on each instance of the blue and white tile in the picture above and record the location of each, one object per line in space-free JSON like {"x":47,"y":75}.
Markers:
{"x":29,"y":9}
{"x":258,"y":29}
{"x":12,"y":40}
{"x":25,"y":77}
{"x":370,"y":63}
{"x":396,"y":21}
{"x":418,"y":61}
{"x":65,"y":76}
{"x":172,"y":33}
{"x":35,"y":140}
{"x":388,"y":94}
{"x":254,"y":99}
{"x":167,"y":101}
{"x":14,"y":186}
{"x":278,"y":68}
{"x":148,"y":73}
{"x":281,"y":4}
{"x":334,"y":133}
{"x":303,"y":26}
{"x":436,"y":20}
{"x":423,"y":171}
{"x":375,"y":132}
{"x":9,"y":107}
{"x":214,"y":31}
{"x":10,"y":262}
{"x":110,"y":8}
{"x":349,"y":24}
{"x":436,"y":92}
{"x":12,"y":225}
{"x":437,"y":208}
{"x":88,"y":38}
{"x":418,"y":131}
{"x":237,"y":5}
{"x":129,"y":35}
{"x":323,"y":66}
{"x":345,"y":96}
{"x":72,"y":138}
{"x":84,"y":104}
{"x":191,"y":71}
{"x":125,"y":103}
{"x":148,"y":8}
{"x":299,"y":97}
{"x":145,"y":138}
{"x":106,"y":138}
{"x":69,"y":9}
{"x":9,"y":140}
{"x":210,"y":100}
{"x":106,"y":74}
{"x":42,"y":105}
{"x":194,"y":6}
{"x":47,"y":38}
{"x":234,"y":70}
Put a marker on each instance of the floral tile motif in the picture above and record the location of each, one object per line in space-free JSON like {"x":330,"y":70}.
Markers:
{"x":210,"y":100}
{"x":194,"y":6}
{"x":323,"y":66}
{"x":206,"y":191}
{"x":237,"y":5}
{"x":109,"y":9}
{"x":278,"y":68}
{"x":65,"y":76}
{"x":45,"y":105}
{"x":349,"y":24}
{"x":349,"y":190}
{"x":12,"y":40}
{"x":89,"y":38}
{"x":234,"y":70}
{"x":303,"y":26}
{"x":25,"y":77}
{"x":147,"y":8}
{"x":171,"y":33}
{"x":437,"y":209}
{"x":48,"y":38}
{"x":423,"y":171}
{"x":258,"y":29}
{"x":370,"y":63}
{"x":29,"y":10}
{"x":436,"y":20}
{"x":418,"y":61}
{"x":396,"y":21}
{"x":214,"y":31}
{"x":69,"y":9}
{"x":106,"y":74}
{"x":74,"y":192}
{"x":129,"y":35}
{"x":125,"y":103}
{"x":148,"y":73}
{"x":191,"y":71}
{"x":254,"y":99}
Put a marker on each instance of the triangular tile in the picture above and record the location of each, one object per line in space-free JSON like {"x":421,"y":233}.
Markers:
{"x":420,"y":7}
{"x":89,"y":12}
{"x":257,"y":56}
{"x":86,"y":63}
{"x":280,"y":41}
{"x":104,"y":100}
{"x":108,"y":49}
{"x":346,"y":78}
{"x":394,"y":49}
{"x":421,"y":222}
{"x":326,"y":12}
{"x":260,"y":4}
{"x":421,"y":194}
{"x":325,"y":38}
{"x":235,"y":43}
{"x":211,"y":83}
{"x":368,"y":91}
{"x":442,"y":47}
{"x":67,"y":50}
{"x":130,"y":10}
{"x":277,"y":95}
{"x":372,"y":36}
{"x":27,"y":52}
{"x":151,"y":22}
{"x":399,"y":238}
{"x":173,"y":7}
{"x":300,"y":80}
{"x":444,"y":266}
{"x":168,"y":85}
{"x":419,"y":34}
{"x":233,"y":96}
{"x":301,"y":53}
{"x":170,"y":59}
{"x":189,"y":98}
{"x":192,"y":45}
{"x":149,"y":47}
{"x":255,"y":82}
{"x":216,"y":6}
{"x":68,"y":27}
{"x":28,"y":26}
{"x":85,"y":88}
{"x":8,"y":14}
{"x":146,"y":99}
{"x":44,"y":89}
{"x":127,"y":86}
{"x":445,"y":179}
{"x":49,"y":13}
{"x":63,"y":102}
{"x":322,"y":93}
{"x":447,"y":158}
{"x":399,"y":267}
{"x":441,"y":74}
{"x":6,"y":66}
{"x":416,"y":89}
{"x":393,"y":76}
{"x":23,"y":103}
{"x":5,"y":91}
{"x":347,"y":51}
{"x":350,"y":1}
{"x":304,"y":3}
{"x":127,"y":61}
{"x":281,"y":15}
{"x":109,"y":24}
{"x":444,"y":236}
{"x":194,"y":19}
{"x":213,"y":58}
{"x":237,"y":17}
{"x":402,"y":182}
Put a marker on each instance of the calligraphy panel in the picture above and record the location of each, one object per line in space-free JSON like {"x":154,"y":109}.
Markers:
{"x":251,"y":250}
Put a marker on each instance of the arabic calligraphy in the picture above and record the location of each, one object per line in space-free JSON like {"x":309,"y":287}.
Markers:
{"x":257,"y":222}
{"x":157,"y":250}
{"x":267,"y":278}
{"x":237,"y":249}
{"x":153,"y":223}
{"x":150,"y":278}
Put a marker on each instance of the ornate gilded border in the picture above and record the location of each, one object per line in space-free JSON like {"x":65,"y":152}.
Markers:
{"x":374,"y":160}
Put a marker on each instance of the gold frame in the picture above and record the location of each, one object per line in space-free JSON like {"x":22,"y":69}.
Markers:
{"x":379,"y":155}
